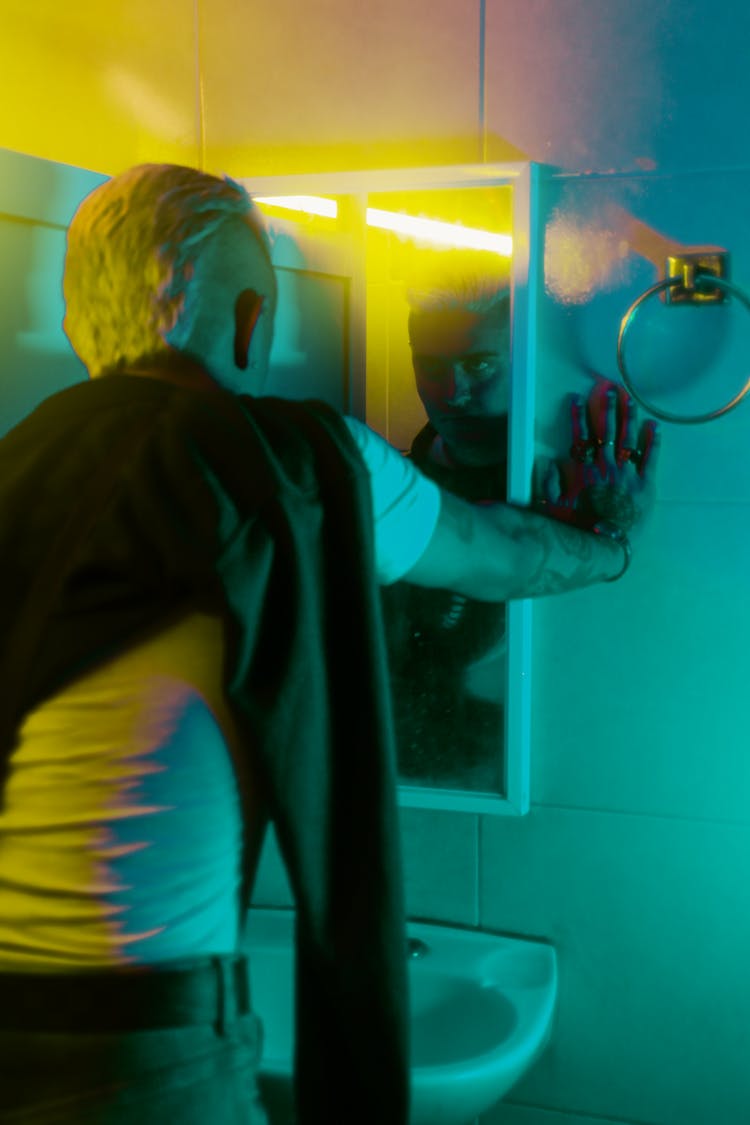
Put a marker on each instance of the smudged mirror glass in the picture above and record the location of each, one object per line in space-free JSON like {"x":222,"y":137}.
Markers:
{"x":407,"y":298}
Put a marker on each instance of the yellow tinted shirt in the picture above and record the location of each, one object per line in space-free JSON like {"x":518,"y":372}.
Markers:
{"x":120,"y":841}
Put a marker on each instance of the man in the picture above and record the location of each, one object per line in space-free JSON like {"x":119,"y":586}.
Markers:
{"x":192,"y":645}
{"x":459,"y":334}
{"x":447,"y":652}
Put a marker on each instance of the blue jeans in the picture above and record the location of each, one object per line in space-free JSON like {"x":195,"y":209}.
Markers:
{"x":190,"y":1076}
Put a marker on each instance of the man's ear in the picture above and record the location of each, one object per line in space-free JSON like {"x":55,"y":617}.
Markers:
{"x":247,"y":310}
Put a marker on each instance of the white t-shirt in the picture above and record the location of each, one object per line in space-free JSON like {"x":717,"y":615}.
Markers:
{"x":406,"y":504}
{"x":120,"y":840}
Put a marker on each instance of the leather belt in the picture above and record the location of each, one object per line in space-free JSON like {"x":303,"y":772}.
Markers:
{"x":214,"y":991}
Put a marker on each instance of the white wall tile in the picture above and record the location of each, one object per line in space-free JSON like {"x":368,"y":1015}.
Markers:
{"x":639,"y":687}
{"x":651,"y":921}
{"x":440,"y":859}
{"x":440,"y":867}
{"x":607,"y":85}
{"x":36,"y":359}
{"x":100,"y":86}
{"x":283,"y":83}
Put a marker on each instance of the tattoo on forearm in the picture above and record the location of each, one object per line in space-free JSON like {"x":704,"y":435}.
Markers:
{"x":514,"y":553}
{"x":567,"y":558}
{"x":463,"y":522}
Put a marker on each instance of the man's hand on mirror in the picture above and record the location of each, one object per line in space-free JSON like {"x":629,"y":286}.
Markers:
{"x":609,"y":475}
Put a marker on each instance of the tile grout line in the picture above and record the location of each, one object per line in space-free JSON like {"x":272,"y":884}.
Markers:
{"x":566,"y":1112}
{"x":477,"y":869}
{"x":482,"y":82}
{"x":604,"y":811}
{"x":200,"y":99}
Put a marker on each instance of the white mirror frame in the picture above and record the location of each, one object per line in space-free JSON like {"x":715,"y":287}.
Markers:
{"x":348,"y":259}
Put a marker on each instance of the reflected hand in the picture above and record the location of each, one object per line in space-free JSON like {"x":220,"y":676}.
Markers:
{"x":609,"y":475}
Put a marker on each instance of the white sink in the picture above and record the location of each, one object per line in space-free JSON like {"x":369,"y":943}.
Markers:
{"x":481,"y":1004}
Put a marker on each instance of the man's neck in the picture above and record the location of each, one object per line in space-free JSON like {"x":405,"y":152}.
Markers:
{"x":173,"y":367}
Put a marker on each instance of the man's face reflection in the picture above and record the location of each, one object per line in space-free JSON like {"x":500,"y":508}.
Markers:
{"x":462,"y":368}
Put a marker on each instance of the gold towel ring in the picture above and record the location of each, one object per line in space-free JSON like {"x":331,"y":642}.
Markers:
{"x":702,"y":281}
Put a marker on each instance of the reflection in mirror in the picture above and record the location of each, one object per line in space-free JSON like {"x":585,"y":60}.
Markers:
{"x":438,"y":361}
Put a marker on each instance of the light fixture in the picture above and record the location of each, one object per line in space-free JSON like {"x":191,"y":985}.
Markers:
{"x":422,"y":230}
{"x":434,"y":230}
{"x":310,"y":204}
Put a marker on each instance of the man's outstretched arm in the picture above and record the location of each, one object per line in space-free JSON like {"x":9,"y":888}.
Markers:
{"x":498,"y":552}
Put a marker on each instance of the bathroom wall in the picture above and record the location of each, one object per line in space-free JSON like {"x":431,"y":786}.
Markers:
{"x":37,"y":200}
{"x":100,"y":86}
{"x":634,"y":856}
{"x":632,"y":859}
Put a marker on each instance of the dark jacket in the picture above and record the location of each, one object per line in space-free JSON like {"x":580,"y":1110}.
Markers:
{"x":128,"y":500}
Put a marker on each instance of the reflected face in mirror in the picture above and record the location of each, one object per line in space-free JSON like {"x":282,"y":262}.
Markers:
{"x":461,"y":364}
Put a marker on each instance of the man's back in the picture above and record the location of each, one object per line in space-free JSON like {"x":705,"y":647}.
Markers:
{"x":122,"y":828}
{"x":258,"y":513}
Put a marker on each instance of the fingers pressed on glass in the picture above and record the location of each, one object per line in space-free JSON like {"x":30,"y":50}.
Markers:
{"x":628,"y":447}
{"x":579,"y":445}
{"x":650,"y":441}
{"x":630,"y":424}
{"x":595,"y":412}
{"x":603,"y":410}
{"x":552,"y":484}
{"x":609,"y":437}
{"x":579,"y":427}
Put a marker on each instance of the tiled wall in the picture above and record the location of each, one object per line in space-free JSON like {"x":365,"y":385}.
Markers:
{"x":603,"y":85}
{"x":633,"y":859}
{"x":100,"y":86}
{"x":37,"y":200}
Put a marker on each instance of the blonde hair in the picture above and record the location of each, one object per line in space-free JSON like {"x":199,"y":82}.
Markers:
{"x":472,"y":281}
{"x":130,"y":256}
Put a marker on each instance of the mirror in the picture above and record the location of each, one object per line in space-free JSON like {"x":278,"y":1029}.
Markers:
{"x":438,"y":388}
{"x":437,"y":342}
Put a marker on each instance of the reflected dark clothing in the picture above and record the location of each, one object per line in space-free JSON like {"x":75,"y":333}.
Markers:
{"x":487,"y":482}
{"x":445,"y":736}
{"x":128,"y":500}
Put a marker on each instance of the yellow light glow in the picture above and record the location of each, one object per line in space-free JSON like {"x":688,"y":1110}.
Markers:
{"x":422,"y":230}
{"x":310,"y":204}
{"x":435,"y":231}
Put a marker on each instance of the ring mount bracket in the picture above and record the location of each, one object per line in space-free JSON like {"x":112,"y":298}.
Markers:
{"x":694,"y":268}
